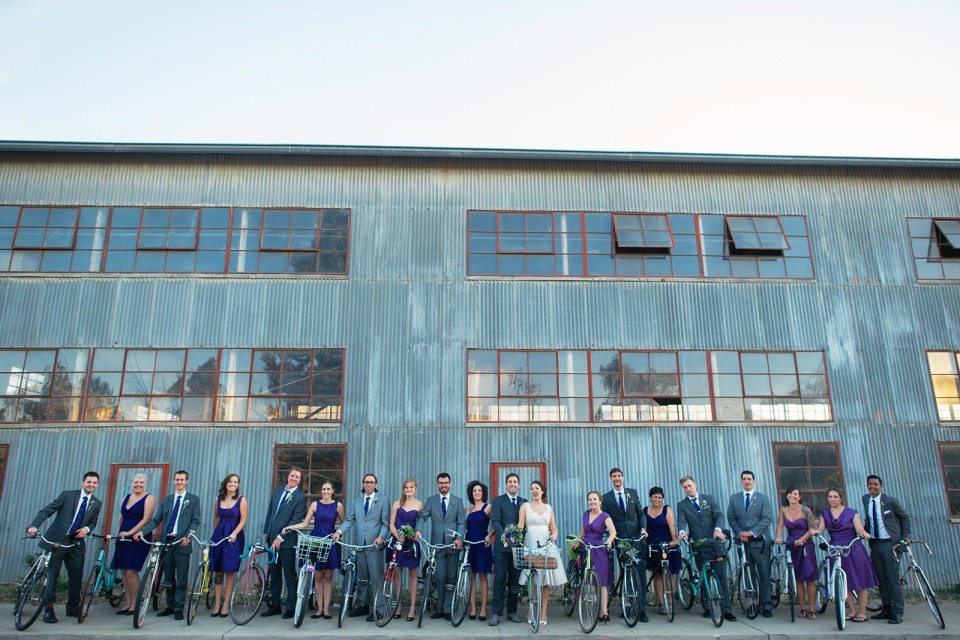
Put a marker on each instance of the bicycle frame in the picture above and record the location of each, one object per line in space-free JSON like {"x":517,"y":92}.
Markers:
{"x":631,"y":590}
{"x":461,"y":588}
{"x":202,"y":578}
{"x":908,"y":564}
{"x":350,"y":583}
{"x":669,"y":580}
{"x":528,"y":560}
{"x":31,"y":591}
{"x":747,"y":582}
{"x":101,"y":581}
{"x":704,"y":580}
{"x":428,"y":572}
{"x":836,"y":577}
{"x":153,"y":589}
{"x":251,"y":584}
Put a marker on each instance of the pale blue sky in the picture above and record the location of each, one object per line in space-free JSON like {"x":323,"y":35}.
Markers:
{"x":800,"y":77}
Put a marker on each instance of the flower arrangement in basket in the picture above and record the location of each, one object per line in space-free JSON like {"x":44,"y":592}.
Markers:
{"x":512,"y":535}
{"x":627,"y":549}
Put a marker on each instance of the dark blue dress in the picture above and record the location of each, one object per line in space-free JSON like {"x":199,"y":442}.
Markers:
{"x":480,"y":556}
{"x":410,"y":554}
{"x":325,"y":523}
{"x":131,"y":554}
{"x":659,"y":531}
{"x":225,"y":557}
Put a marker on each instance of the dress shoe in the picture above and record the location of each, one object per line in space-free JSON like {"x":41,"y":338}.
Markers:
{"x":494,"y":620}
{"x":729,"y":617}
{"x":271,"y":611}
{"x":369,"y":617}
{"x":643,"y":617}
{"x":436,"y":615}
{"x":895,"y":619}
{"x":72,"y":614}
{"x":513,"y":617}
{"x":49,"y":616}
{"x":178,"y":615}
{"x":166,"y":612}
{"x":123,"y":612}
{"x":769,"y":614}
{"x":706,"y":614}
{"x":360,"y":611}
{"x":446,"y":617}
{"x":884,"y":614}
{"x":287,"y":615}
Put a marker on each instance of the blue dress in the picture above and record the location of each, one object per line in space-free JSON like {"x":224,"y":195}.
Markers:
{"x":480,"y":556}
{"x":225,"y":557}
{"x":410,"y":554}
{"x":599,"y":558}
{"x":325,"y":523}
{"x":659,"y":531}
{"x":857,"y":565}
{"x":131,"y":554}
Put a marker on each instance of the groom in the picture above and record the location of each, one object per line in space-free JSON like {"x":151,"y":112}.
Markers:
{"x":506,"y":578}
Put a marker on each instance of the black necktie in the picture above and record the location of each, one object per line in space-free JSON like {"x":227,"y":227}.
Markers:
{"x":623,"y":507}
{"x":876,"y":524}
{"x":514,"y":501}
{"x":82,"y":511}
{"x":173,"y":516}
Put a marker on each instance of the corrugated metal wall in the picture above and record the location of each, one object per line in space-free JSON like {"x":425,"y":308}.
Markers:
{"x":407,"y":312}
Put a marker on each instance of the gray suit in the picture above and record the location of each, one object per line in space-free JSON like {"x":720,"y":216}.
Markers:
{"x":373,"y":524}
{"x":284,"y":570}
{"x":506,"y":578}
{"x":65,"y":506}
{"x":896,"y":520}
{"x":756,"y":522}
{"x":447,"y":559}
{"x":176,"y":560}
{"x":702,"y":523}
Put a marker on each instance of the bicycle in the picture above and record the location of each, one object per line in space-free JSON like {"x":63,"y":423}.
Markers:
{"x":628,"y":584}
{"x":386,"y":600}
{"x":908,"y":565}
{"x":153,"y":585}
{"x":350,"y":583}
{"x":531,"y":560}
{"x":747,"y":582}
{"x":102,"y":581}
{"x":310,"y":550}
{"x":428,"y":576}
{"x":589,"y":594}
{"x":202,"y":579}
{"x":833,"y":580}
{"x":32,"y":589}
{"x":692,"y":582}
{"x":783,"y":580}
{"x":251,"y":585}
{"x":669,"y":581}
{"x":461,"y":589}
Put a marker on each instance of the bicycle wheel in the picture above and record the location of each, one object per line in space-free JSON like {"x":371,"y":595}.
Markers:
{"x":777,"y":585}
{"x":208,"y":591}
{"x":90,"y":588}
{"x":823,"y":588}
{"x":115,"y":595}
{"x":304,"y":587}
{"x":631,"y":600}
{"x":713,"y":596}
{"x":425,"y":597}
{"x":387,"y":597}
{"x":247,"y":594}
{"x":571,"y":589}
{"x":145,"y":594}
{"x":927,"y":592}
{"x":30,"y":604}
{"x":196,"y":593}
{"x":461,"y":596}
{"x":840,"y":597}
{"x":748,"y":590}
{"x":536,"y":593}
{"x":685,"y":582}
{"x":158,"y":590}
{"x":669,"y":589}
{"x":588,"y":604}
{"x":792,"y":592}
{"x":874,"y":601}
{"x":347,"y":592}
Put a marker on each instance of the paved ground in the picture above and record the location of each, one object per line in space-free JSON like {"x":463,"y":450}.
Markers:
{"x":102,"y":624}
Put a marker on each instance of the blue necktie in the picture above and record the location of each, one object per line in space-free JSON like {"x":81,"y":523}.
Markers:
{"x":173,"y":517}
{"x":695,"y":504}
{"x":283,"y":500}
{"x":746,"y":503}
{"x":82,"y":511}
{"x":623,"y":507}
{"x":443,"y":506}
{"x":366,"y":505}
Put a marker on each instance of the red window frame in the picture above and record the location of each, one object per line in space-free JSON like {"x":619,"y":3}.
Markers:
{"x":308,"y":472}
{"x":947,"y":489}
{"x":732,"y":236}
{"x":169,"y":227}
{"x":495,"y":475}
{"x":809,"y":470}
{"x":159,"y":491}
{"x":954,"y":407}
{"x":46,"y":229}
{"x":617,"y":217}
{"x":4,"y":460}
{"x":935,"y":268}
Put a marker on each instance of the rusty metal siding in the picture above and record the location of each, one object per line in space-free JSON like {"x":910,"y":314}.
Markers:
{"x":407,"y":312}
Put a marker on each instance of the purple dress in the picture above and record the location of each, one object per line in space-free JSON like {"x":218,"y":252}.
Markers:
{"x":593,"y":534}
{"x":805,"y":557}
{"x":225,"y":557}
{"x":659,"y":531}
{"x":480,"y":556}
{"x":325,"y":523}
{"x":131,"y":554}
{"x":410,"y":554}
{"x":856,"y":565}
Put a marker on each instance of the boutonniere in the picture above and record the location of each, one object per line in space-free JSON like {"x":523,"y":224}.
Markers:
{"x":703,"y":504}
{"x":628,"y":497}
{"x":883,"y":505}
{"x":186,"y":502}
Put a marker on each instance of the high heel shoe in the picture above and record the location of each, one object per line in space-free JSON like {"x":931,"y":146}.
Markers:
{"x":604,"y":619}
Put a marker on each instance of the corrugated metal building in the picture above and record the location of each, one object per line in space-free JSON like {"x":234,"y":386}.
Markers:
{"x":477,"y":311}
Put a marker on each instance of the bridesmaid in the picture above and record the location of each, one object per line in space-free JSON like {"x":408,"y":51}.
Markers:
{"x":595,"y":524}
{"x":798,"y":521}
{"x":135,"y":512}
{"x":229,"y":519}
{"x":540,"y":523}
{"x":661,"y":527}
{"x":405,"y":511}
{"x":844,"y":525}
{"x":325,"y":513}
{"x":479,"y":556}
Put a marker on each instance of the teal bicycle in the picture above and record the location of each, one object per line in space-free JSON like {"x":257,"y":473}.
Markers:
{"x":103,"y":582}
{"x":693,"y":583}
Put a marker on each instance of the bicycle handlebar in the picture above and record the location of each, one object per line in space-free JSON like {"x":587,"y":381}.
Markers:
{"x":206,"y":543}
{"x":259,"y":548}
{"x":55,"y":545}
{"x":836,"y":549}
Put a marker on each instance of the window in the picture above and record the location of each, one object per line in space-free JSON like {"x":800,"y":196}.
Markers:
{"x":526,"y":471}
{"x":42,"y":385}
{"x":950,"y":465}
{"x":936,"y":247}
{"x":646,"y":386}
{"x":173,"y":240}
{"x":946,"y":383}
{"x":636,"y":245}
{"x":317,"y":464}
{"x":4,"y":456}
{"x":812,"y":467}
